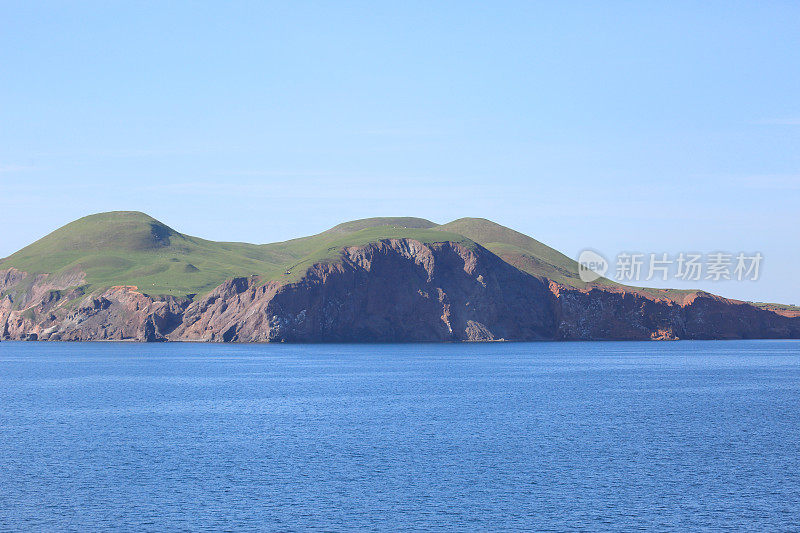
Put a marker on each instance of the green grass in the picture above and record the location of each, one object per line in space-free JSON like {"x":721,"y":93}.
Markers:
{"x":330,"y":251}
{"x":395,"y":222}
{"x":518,"y":249}
{"x":132,"y":248}
{"x":538,"y":259}
{"x":771,"y":306}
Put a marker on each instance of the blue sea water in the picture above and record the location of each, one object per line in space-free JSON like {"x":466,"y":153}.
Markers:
{"x":501,"y":437}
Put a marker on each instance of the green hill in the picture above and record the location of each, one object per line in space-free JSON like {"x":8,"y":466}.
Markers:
{"x":523,"y":252}
{"x":132,"y":248}
{"x":538,"y":259}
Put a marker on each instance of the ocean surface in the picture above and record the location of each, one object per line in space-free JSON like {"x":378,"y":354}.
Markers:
{"x":477,"y":437}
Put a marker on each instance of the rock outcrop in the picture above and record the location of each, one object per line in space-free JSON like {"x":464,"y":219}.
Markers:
{"x":395,"y":290}
{"x":631,"y":315}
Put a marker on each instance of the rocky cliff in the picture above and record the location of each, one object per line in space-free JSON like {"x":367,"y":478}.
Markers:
{"x":394,"y":290}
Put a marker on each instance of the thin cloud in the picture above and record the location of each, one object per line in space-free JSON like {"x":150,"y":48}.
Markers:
{"x":9,"y":169}
{"x":780,"y":122}
{"x":277,"y":173}
{"x":402,"y":132}
{"x":778,"y":182}
{"x":132,"y":153}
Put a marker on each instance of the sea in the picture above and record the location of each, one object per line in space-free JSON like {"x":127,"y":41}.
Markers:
{"x":572,"y":436}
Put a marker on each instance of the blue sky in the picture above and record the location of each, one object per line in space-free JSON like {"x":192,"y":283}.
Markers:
{"x":616,"y":126}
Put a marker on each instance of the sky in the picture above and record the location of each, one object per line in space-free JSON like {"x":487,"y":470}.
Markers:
{"x":617,"y":126}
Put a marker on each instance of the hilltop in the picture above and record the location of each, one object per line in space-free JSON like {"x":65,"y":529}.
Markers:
{"x":124,"y":274}
{"x":133,"y":248}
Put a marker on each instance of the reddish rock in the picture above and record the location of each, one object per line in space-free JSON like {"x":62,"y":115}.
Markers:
{"x":397,"y":290}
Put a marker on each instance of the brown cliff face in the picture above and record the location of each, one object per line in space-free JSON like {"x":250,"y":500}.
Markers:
{"x":613,"y":314}
{"x":119,"y":313}
{"x":396,"y":290}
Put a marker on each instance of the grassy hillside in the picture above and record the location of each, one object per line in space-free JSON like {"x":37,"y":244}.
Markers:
{"x":329,"y":249}
{"x":538,"y":259}
{"x":132,"y":248}
{"x":395,"y":222}
{"x":782,"y":309}
{"x":518,"y":249}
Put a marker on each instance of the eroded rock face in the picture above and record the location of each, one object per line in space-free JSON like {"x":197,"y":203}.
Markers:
{"x":234,"y":311}
{"x":599,"y":314}
{"x":393,"y":291}
{"x":400,"y":290}
{"x":119,"y":313}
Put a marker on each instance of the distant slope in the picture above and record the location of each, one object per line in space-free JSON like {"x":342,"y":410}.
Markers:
{"x":781,"y":309}
{"x":292,"y":253}
{"x":365,"y":280}
{"x":519,"y":250}
{"x":395,"y":222}
{"x":538,"y":259}
{"x":132,"y":248}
